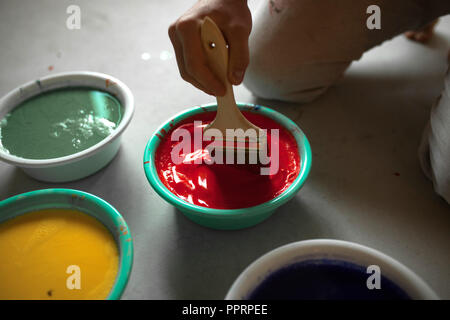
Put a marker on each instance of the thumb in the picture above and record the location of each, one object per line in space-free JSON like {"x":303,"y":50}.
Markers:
{"x":238,"y":57}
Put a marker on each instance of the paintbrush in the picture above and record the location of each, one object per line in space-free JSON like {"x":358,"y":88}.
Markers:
{"x":244,"y":141}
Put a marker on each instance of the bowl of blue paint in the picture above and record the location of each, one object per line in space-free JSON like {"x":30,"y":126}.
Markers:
{"x":326,"y":269}
{"x":66,"y":126}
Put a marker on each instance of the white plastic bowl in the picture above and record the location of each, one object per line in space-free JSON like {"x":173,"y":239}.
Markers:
{"x":83,"y":163}
{"x":358,"y":254}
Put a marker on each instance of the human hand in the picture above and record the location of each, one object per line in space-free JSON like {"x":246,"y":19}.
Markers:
{"x":234,"y":19}
{"x":424,"y":34}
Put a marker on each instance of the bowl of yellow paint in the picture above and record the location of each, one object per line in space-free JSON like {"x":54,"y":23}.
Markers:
{"x":59,"y":244}
{"x":66,"y":126}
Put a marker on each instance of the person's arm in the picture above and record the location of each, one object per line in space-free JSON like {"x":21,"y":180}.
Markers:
{"x":234,"y":19}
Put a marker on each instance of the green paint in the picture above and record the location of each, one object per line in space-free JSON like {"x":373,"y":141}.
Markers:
{"x":59,"y":123}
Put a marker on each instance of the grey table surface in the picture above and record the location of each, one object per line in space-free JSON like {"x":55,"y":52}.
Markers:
{"x":365,"y":185}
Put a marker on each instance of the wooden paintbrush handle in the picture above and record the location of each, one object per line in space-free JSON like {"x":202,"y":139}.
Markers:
{"x":215,"y":48}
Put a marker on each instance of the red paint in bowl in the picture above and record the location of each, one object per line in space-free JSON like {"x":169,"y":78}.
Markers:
{"x":226,"y":186}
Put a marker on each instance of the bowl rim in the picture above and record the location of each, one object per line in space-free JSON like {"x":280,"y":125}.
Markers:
{"x":290,"y":253}
{"x":303,"y":147}
{"x":68,"y":80}
{"x":124,"y":244}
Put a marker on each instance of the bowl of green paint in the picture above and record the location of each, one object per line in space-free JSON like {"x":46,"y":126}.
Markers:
{"x":66,"y":126}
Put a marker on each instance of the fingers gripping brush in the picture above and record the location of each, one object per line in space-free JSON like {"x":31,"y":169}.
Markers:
{"x":238,"y":136}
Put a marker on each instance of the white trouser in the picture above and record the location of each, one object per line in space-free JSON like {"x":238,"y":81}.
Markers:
{"x":299,"y":48}
{"x":434,"y":150}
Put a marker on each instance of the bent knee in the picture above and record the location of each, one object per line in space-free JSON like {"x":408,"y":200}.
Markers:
{"x":301,"y":83}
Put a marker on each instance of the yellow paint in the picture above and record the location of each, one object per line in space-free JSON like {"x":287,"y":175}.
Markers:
{"x":37,"y":248}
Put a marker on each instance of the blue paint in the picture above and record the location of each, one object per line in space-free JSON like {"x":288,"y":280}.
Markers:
{"x":324,"y":280}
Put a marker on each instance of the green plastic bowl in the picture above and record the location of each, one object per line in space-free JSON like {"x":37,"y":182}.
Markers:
{"x":228,"y":219}
{"x":84,"y":202}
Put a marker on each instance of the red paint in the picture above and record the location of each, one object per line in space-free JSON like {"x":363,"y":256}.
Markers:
{"x":227,"y":186}
{"x":50,"y":68}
